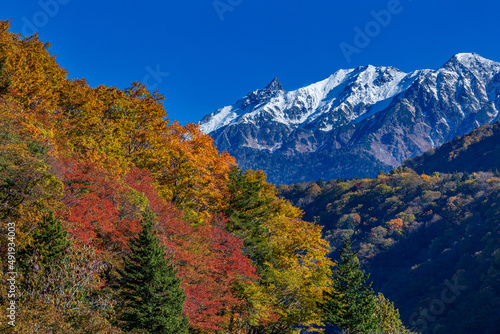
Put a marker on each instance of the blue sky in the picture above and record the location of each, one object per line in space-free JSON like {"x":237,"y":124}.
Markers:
{"x":204,"y":54}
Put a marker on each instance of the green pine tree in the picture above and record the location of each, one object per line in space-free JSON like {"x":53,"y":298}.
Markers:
{"x":351,"y":304}
{"x":247,"y":206}
{"x":247,"y":210}
{"x":153,"y":299}
{"x":50,"y":239}
{"x":49,"y":242}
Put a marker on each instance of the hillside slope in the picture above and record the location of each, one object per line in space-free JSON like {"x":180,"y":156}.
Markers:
{"x":475,"y":151}
{"x":419,"y":236}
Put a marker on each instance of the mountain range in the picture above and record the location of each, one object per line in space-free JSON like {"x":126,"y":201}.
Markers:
{"x":357,"y":121}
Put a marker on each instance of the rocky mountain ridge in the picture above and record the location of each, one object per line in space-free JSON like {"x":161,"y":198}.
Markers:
{"x":357,"y":121}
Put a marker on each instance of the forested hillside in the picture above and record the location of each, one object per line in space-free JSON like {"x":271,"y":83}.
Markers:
{"x":92,"y":161}
{"x":431,"y":243}
{"x":473,"y":152}
{"x":115,"y":220}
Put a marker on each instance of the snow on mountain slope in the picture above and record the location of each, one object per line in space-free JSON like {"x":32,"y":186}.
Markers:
{"x":343,"y":92}
{"x":357,"y":121}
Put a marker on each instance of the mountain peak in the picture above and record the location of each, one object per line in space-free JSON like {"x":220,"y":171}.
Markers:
{"x":467,"y":59}
{"x":274,"y":85}
{"x":472,"y":63}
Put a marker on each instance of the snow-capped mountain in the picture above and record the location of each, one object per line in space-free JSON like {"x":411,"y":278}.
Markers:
{"x":357,"y":121}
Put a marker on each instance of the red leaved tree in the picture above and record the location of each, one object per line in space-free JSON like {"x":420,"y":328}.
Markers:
{"x":101,"y":210}
{"x":209,"y":259}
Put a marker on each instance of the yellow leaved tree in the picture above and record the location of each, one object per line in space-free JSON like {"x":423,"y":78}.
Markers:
{"x":289,"y":253}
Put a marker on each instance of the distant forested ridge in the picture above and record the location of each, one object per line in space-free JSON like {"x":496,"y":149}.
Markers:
{"x":473,"y":152}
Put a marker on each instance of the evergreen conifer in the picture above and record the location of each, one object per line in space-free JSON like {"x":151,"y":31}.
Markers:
{"x":153,"y":299}
{"x":49,"y":242}
{"x":351,"y":304}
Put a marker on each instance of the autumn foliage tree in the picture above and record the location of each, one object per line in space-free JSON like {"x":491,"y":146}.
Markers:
{"x":28,"y":71}
{"x":101,"y":210}
{"x":289,"y":253}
